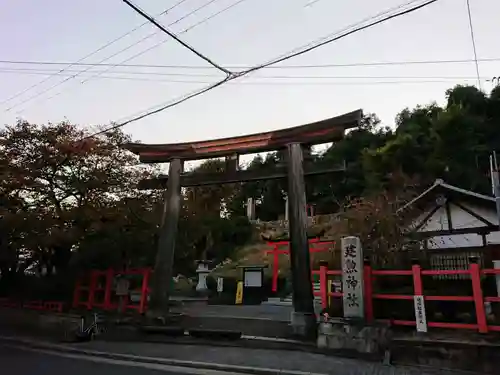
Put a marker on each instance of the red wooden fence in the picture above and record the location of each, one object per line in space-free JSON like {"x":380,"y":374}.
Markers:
{"x":416,"y":273}
{"x":55,"y":306}
{"x":106,"y":303}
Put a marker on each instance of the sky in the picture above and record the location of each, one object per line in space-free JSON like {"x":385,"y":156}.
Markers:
{"x":246,"y":34}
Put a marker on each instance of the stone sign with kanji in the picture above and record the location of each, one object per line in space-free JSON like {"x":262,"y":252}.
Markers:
{"x":352,"y":277}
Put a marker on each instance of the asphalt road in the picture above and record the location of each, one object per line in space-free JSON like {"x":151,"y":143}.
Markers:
{"x":18,"y":361}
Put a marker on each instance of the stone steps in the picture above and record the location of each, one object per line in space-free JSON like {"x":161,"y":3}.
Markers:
{"x":287,"y":301}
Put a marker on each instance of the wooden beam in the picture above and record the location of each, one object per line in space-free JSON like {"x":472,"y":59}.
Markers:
{"x":448,"y":214}
{"x":232,"y":163}
{"x":203,"y":179}
{"x":329,"y":130}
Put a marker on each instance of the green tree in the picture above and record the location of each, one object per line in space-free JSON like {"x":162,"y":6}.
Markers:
{"x":431,"y":142}
{"x":328,"y":192}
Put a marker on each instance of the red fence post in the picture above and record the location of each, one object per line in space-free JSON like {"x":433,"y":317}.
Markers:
{"x":418,"y":289}
{"x":368,"y":290}
{"x":92,"y":287}
{"x":76,"y":293}
{"x":275,"y":268}
{"x":477,"y":292}
{"x":323,"y":284}
{"x":110,"y":274}
{"x":144,"y":291}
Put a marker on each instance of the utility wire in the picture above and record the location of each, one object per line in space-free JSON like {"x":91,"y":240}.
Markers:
{"x":130,"y":75}
{"x":199,"y":67}
{"x":240,"y":74}
{"x":175,"y":37}
{"x":473,"y":39}
{"x":130,"y":46}
{"x":154,"y":46}
{"x":206,"y":19}
{"x":343,"y":35}
{"x":109,"y":57}
{"x":106,"y":45}
{"x":349,"y":27}
{"x":311,"y":3}
{"x":394,"y":81}
{"x":170,"y":105}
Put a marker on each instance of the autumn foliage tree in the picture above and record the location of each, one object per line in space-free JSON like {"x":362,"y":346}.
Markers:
{"x":58,"y":189}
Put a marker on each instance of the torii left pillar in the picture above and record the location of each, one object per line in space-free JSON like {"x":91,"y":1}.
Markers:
{"x":303,"y":319}
{"x":162,"y":277}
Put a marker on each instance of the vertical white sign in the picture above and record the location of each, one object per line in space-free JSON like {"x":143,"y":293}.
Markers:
{"x":220,"y":284}
{"x":420,"y":318}
{"x":352,"y":277}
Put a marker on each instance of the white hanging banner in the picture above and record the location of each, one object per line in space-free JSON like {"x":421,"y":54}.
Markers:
{"x":420,"y":318}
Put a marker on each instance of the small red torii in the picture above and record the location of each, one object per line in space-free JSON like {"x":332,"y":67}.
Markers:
{"x":315,"y":246}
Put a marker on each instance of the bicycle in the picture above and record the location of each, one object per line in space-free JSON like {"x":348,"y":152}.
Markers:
{"x":89,"y":333}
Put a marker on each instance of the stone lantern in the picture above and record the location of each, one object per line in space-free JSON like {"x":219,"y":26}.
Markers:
{"x":202,"y":272}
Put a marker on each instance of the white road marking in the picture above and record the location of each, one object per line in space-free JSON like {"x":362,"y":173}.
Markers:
{"x":109,"y":361}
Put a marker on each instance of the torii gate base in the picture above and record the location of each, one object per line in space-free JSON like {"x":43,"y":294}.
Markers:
{"x":293,"y":141}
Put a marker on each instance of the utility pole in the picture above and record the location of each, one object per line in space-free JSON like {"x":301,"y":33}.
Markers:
{"x":495,"y":182}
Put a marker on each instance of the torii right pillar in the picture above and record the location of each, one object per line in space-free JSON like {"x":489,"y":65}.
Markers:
{"x":303,"y":319}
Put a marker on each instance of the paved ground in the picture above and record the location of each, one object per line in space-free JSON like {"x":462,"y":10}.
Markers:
{"x":38,"y":363}
{"x":23,"y":362}
{"x":281,"y":313}
{"x":261,"y":358}
{"x":264,"y":311}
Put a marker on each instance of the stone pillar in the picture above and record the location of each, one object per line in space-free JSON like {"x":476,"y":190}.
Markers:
{"x":162,"y":277}
{"x":303,"y":318}
{"x":202,"y":272}
{"x":352,"y":278}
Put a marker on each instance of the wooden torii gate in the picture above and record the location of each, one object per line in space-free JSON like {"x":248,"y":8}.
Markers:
{"x":296,"y":143}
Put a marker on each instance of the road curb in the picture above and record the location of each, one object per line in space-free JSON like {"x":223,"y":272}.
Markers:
{"x":35,"y":344}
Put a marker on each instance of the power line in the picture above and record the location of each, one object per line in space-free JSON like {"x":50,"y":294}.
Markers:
{"x":132,"y":45}
{"x":331,"y":40}
{"x":109,"y":57}
{"x":473,"y":39}
{"x":127,"y":75}
{"x":201,"y":22}
{"x":309,"y":66}
{"x":174,"y":103}
{"x":311,"y":3}
{"x":273,"y":62}
{"x":396,"y":81}
{"x":106,"y":45}
{"x":176,"y":38}
{"x":349,"y":27}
